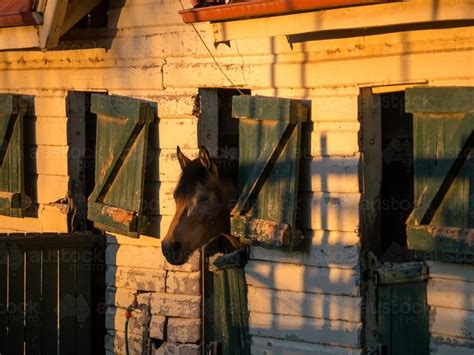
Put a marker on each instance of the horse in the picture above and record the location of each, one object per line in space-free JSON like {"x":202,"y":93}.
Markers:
{"x":204,"y":196}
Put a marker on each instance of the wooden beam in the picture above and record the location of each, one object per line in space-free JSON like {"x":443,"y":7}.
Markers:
{"x":360,"y":17}
{"x":76,"y":10}
{"x":54,"y":14}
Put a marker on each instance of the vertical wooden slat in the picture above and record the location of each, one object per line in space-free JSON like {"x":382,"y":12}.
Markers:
{"x":16,"y":301}
{"x":49,"y":334}
{"x":3,"y":297}
{"x":33,"y":302}
{"x":83,"y":303}
{"x":67,"y":302}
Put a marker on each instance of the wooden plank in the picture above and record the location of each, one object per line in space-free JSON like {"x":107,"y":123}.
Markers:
{"x":431,"y":195}
{"x":361,"y":17}
{"x":445,"y":345}
{"x":75,"y":11}
{"x":302,"y":278}
{"x":67,"y":302}
{"x":270,"y":346}
{"x":371,"y":142}
{"x":336,"y":255}
{"x":457,"y":272}
{"x":439,"y":244}
{"x":3,"y":297}
{"x":49,"y":304}
{"x":53,"y":21}
{"x":452,"y":322}
{"x":310,"y":305}
{"x":268,"y":108}
{"x":33,"y":302}
{"x":16,"y":300}
{"x":83,"y":305}
{"x":451,"y":294}
{"x":312,"y":330}
{"x":439,"y":99}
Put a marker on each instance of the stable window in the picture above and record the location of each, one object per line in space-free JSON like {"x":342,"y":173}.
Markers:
{"x":40,"y":23}
{"x":442,"y":223}
{"x":15,"y":193}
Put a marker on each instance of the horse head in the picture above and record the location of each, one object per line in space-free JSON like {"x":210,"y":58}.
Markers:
{"x":203,"y":197}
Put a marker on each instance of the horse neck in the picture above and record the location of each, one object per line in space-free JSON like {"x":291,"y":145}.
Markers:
{"x":228,"y":171}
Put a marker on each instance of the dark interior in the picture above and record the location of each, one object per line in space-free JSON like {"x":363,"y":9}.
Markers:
{"x":397,"y":176}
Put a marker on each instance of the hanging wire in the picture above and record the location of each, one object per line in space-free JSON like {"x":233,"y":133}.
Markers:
{"x":212,"y":56}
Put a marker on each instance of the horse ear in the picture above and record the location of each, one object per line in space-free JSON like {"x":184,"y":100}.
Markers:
{"x":183,"y":160}
{"x":206,"y":161}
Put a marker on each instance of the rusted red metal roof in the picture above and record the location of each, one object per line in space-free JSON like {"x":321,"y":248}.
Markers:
{"x":262,"y":8}
{"x":17,"y":13}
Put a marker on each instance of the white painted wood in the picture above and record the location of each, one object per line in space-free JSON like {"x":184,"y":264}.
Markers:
{"x":47,"y":160}
{"x":301,"y":278}
{"x":452,"y":322}
{"x":311,"y":330}
{"x":459,"y":272}
{"x":50,"y":106}
{"x":135,"y":279}
{"x":444,"y":345}
{"x":53,"y":21}
{"x":304,"y":304}
{"x":164,"y":133}
{"x":333,"y":174}
{"x":330,"y":211}
{"x":380,"y":15}
{"x":450,"y":293}
{"x":331,"y":254}
{"x":51,"y":188}
{"x":269,"y":346}
{"x":39,"y":130}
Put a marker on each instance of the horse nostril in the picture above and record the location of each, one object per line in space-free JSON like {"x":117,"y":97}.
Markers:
{"x":175,"y":246}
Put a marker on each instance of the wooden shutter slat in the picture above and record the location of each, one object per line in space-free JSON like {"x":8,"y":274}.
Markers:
{"x":434,"y":191}
{"x":441,"y":225}
{"x":270,"y":135}
{"x":122,"y":129}
{"x":13,"y":199}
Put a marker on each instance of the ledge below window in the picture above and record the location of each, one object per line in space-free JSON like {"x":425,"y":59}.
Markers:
{"x":262,"y":8}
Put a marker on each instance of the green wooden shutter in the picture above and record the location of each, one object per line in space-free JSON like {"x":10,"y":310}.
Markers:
{"x":13,"y":200}
{"x":442,"y":221}
{"x":270,"y":135}
{"x":116,"y":203}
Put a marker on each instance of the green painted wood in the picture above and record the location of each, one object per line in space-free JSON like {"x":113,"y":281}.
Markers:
{"x":16,"y":301}
{"x":116,"y":203}
{"x":12,"y":111}
{"x":83,"y":304}
{"x":402,"y":310}
{"x":270,"y":135}
{"x":442,"y":240}
{"x":67,"y":301}
{"x":33,"y":302}
{"x":444,"y":173}
{"x":3,"y":297}
{"x":49,"y":304}
{"x":268,"y":108}
{"x":439,"y":99}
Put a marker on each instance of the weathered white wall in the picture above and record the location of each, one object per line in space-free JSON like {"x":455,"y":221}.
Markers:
{"x":303,"y":302}
{"x":451,"y":300}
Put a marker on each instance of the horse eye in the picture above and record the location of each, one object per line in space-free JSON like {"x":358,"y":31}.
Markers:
{"x":202,"y":199}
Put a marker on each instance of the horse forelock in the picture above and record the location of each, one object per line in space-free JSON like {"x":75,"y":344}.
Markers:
{"x":195,"y":173}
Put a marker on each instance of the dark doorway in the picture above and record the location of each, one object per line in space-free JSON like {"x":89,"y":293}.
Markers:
{"x":396,"y":193}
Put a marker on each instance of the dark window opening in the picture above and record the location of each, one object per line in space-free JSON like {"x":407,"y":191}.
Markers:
{"x":396,"y":195}
{"x":81,"y":160}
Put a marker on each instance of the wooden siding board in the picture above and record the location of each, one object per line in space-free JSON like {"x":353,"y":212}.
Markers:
{"x":311,"y":330}
{"x":16,"y":301}
{"x":67,"y":303}
{"x":292,"y":303}
{"x":49,"y":326}
{"x":445,"y":345}
{"x":451,"y":293}
{"x":33,"y":297}
{"x":457,"y":272}
{"x":452,"y":322}
{"x":300,"y":278}
{"x":271,"y":346}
